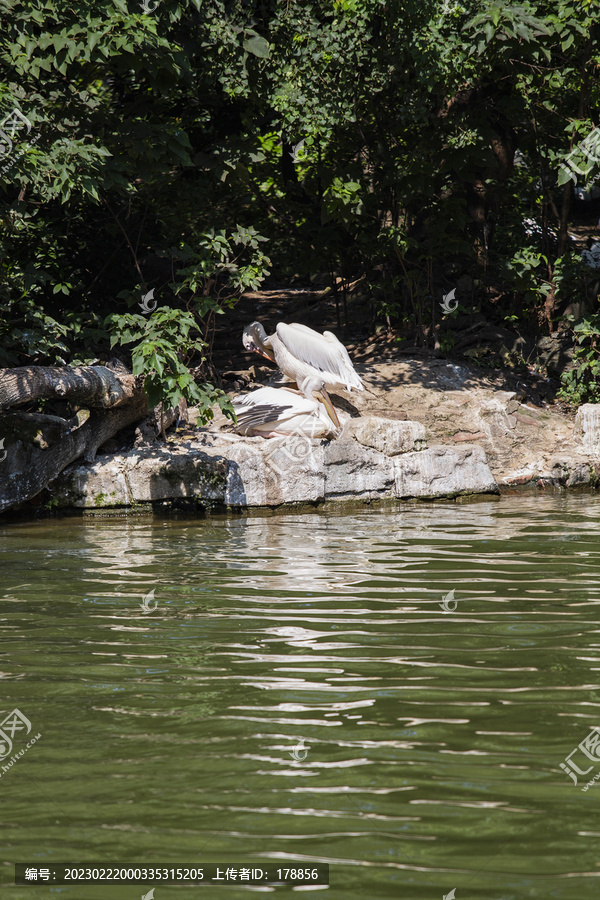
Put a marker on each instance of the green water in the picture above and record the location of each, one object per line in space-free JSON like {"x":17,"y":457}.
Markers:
{"x":434,"y":739}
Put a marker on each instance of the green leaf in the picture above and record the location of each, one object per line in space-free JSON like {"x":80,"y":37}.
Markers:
{"x":564,"y":175}
{"x":257,"y":45}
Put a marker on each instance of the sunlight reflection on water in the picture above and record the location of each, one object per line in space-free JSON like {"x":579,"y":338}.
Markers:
{"x":433,"y":739}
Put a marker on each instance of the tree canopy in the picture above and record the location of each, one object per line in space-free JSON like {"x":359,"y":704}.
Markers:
{"x":195,"y":149}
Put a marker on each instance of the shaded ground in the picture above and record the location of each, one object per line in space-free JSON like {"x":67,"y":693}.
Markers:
{"x":530,"y":363}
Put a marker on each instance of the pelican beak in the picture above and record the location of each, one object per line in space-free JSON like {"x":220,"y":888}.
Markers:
{"x":325,"y":399}
{"x":252,"y":347}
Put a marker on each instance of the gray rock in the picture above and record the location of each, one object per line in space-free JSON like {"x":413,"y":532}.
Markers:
{"x":165,"y":476}
{"x":271,"y":472}
{"x":102,"y":484}
{"x":581,"y":475}
{"x":352,"y":470}
{"x":253,"y":472}
{"x":444,"y":472}
{"x":389,"y":436}
{"x":568,"y":472}
{"x":143,"y":476}
{"x":587,"y":426}
{"x":495,"y":420}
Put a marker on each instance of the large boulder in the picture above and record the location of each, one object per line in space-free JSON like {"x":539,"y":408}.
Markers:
{"x":388,"y":436}
{"x":352,"y":470}
{"x":143,"y":476}
{"x":272,"y":472}
{"x":443,"y":472}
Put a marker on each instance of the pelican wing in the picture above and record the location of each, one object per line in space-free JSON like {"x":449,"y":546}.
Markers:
{"x":271,"y":411}
{"x":322,"y":351}
{"x":268,"y":405}
{"x":258,"y":415}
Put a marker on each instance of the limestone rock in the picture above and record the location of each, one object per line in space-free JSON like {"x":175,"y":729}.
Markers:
{"x":494,"y":417}
{"x":172,"y":476}
{"x":271,"y":472}
{"x":587,"y":426}
{"x":525,"y":440}
{"x":509,"y":418}
{"x":388,"y":436}
{"x":352,"y":470}
{"x":443,"y":472}
{"x":236,"y":471}
{"x":102,"y":484}
{"x":142,"y":477}
{"x":569,"y":472}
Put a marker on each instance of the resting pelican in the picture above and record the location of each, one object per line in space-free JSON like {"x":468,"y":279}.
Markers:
{"x":301,"y":352}
{"x":272,"y":411}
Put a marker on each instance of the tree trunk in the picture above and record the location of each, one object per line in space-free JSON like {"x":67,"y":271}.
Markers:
{"x":87,"y":385}
{"x":35,"y":448}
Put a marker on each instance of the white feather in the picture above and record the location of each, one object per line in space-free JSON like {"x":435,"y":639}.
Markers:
{"x":270,"y":411}
{"x":299,"y":352}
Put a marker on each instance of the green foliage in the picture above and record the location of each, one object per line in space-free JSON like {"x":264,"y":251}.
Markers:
{"x":525,"y":271}
{"x":164,"y":341}
{"x":342,"y":201}
{"x":211,"y":277}
{"x":222,"y":263}
{"x":159,"y":152}
{"x":581,"y":384}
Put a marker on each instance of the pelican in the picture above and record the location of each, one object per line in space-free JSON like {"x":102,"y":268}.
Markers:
{"x":301,"y":352}
{"x":271,"y":412}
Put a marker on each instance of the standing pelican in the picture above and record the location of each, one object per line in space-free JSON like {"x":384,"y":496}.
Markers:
{"x":301,"y":352}
{"x":272,"y":411}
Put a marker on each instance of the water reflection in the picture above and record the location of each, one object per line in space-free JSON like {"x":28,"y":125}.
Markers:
{"x":432,"y":738}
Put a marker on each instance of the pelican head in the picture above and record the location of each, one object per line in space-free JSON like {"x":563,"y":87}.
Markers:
{"x":314,"y":389}
{"x":254,"y":338}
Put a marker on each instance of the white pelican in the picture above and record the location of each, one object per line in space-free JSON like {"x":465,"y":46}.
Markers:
{"x":272,"y":411}
{"x":301,"y":352}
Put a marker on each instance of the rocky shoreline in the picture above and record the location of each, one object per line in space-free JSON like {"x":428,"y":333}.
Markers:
{"x":379,"y":459}
{"x":424,"y":430}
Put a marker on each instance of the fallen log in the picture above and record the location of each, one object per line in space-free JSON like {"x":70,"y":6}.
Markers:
{"x":34,"y":447}
{"x":85,"y":385}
